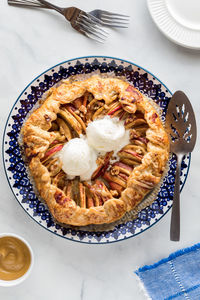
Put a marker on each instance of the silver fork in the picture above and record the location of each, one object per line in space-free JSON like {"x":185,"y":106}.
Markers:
{"x":81,"y":21}
{"x":105,"y":18}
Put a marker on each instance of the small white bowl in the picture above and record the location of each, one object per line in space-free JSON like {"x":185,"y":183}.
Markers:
{"x":7,"y":283}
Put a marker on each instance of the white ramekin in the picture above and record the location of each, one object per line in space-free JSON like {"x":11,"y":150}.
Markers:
{"x":7,"y":283}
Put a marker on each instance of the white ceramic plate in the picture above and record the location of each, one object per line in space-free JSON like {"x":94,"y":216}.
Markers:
{"x":179,"y":20}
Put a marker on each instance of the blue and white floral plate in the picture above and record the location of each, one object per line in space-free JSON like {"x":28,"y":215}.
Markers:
{"x":16,"y":172}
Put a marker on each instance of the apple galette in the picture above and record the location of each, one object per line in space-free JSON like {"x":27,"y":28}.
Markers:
{"x":95,"y":148}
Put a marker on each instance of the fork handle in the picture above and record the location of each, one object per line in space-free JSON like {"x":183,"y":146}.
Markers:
{"x":35,"y":4}
{"x":50,"y":5}
{"x":175,"y":216}
{"x":27,"y":3}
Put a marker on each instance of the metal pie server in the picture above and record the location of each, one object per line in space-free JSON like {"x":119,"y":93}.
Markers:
{"x":181,"y":126}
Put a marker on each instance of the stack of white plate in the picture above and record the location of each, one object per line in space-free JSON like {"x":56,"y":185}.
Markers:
{"x":179,"y":20}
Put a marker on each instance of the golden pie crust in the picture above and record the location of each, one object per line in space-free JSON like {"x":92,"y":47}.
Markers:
{"x":115,"y":188}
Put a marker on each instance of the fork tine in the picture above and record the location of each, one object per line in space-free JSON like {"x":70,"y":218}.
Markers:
{"x":91,"y":22}
{"x":94,"y":37}
{"x":96,"y":28}
{"x":90,"y":33}
{"x":106,"y":21}
{"x":92,"y":18}
{"x":92,"y":28}
{"x":103,"y":17}
{"x":115,"y":23}
{"x":96,"y":33}
{"x":107,"y":13}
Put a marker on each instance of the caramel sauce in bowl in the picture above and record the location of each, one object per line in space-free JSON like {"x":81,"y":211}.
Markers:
{"x":16,"y":259}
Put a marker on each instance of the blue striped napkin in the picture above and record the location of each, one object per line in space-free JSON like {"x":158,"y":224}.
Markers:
{"x":176,"y":277}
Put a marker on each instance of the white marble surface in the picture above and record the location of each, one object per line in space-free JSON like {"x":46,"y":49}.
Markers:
{"x":32,"y":41}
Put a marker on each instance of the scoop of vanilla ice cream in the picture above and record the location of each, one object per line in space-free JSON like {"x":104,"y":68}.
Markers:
{"x":78,"y":159}
{"x":106,"y":134}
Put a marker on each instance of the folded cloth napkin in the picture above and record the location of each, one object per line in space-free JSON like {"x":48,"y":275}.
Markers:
{"x":176,"y":277}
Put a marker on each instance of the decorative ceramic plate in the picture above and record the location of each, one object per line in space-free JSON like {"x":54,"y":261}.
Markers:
{"x":179,"y":20}
{"x":16,"y":171}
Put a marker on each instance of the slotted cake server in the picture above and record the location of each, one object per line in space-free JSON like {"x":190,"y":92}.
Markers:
{"x":182,"y":129}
